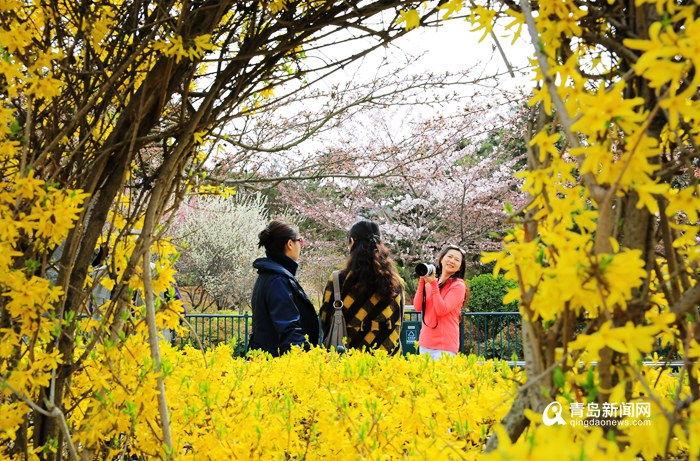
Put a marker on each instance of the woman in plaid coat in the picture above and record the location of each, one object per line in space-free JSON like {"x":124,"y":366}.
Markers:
{"x":372,"y":293}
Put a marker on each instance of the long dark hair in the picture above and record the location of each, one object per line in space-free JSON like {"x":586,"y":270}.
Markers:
{"x":460,"y":274}
{"x":369,"y":265}
{"x":276,"y":235}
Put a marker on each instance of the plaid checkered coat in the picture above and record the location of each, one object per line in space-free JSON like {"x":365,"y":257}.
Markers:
{"x":373,"y":322}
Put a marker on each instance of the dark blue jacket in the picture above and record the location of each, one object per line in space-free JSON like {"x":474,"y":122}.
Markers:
{"x":282,"y":313}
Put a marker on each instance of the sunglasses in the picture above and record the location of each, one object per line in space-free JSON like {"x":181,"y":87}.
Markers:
{"x":455,"y":247}
{"x":301,"y":240}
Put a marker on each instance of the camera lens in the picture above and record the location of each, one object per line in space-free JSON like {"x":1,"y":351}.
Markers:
{"x":424,"y":269}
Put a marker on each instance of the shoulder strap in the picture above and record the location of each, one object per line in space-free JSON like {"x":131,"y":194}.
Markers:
{"x":425,"y":310}
{"x":338,"y":302}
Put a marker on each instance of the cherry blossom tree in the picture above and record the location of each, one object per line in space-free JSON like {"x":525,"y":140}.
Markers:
{"x":447,"y":180}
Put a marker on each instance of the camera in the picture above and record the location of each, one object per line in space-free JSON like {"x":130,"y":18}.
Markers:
{"x":425,"y":269}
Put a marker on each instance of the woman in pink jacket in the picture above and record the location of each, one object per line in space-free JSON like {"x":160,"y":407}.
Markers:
{"x":441,"y":300}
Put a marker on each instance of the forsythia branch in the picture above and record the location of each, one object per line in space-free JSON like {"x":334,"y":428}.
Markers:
{"x":598,"y":193}
{"x":687,"y":302}
{"x":54,"y":412}
{"x":155,"y":353}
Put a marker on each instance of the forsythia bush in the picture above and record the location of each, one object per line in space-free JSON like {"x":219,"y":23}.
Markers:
{"x":605,"y":257}
{"x":100,"y":138}
{"x":320,"y":405}
{"x":315,"y":405}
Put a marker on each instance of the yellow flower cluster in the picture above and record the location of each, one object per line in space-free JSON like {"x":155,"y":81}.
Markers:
{"x":603,"y":153}
{"x":32,"y":74}
{"x":320,"y":405}
{"x":175,"y":46}
{"x":633,"y":436}
{"x":36,"y":216}
{"x":562,"y":268}
{"x":305,"y":405}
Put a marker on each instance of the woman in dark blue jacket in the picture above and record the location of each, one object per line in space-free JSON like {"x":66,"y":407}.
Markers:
{"x":283,"y":316}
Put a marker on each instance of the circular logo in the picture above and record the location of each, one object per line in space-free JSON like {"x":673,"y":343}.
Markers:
{"x":557,"y":419}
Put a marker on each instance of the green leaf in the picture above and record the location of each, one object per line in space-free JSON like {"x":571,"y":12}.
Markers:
{"x":610,"y":435}
{"x":570,"y":398}
{"x":559,"y":378}
{"x":32,"y":265}
{"x":4,"y":54}
{"x":540,"y":257}
{"x":15,"y":128}
{"x":167,"y":368}
{"x":130,"y":409}
{"x":590,"y":386}
{"x":606,"y":261}
{"x":666,"y":21}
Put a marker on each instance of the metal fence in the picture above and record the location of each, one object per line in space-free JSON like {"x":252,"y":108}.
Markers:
{"x":486,"y":334}
{"x":492,"y":335}
{"x":209,"y":330}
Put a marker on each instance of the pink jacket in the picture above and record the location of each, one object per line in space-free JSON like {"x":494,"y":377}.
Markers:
{"x":440,"y":329}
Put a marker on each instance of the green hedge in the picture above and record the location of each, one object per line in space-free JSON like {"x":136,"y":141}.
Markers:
{"x":487,"y":294}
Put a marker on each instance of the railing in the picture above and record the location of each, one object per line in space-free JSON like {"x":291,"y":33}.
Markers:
{"x":212,"y":329}
{"x":492,"y":335}
{"x":487,"y":334}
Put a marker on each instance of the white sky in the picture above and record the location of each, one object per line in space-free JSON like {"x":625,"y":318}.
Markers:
{"x":448,"y":47}
{"x":452,"y":45}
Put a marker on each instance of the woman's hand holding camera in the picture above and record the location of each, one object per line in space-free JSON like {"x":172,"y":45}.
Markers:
{"x":426,"y":271}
